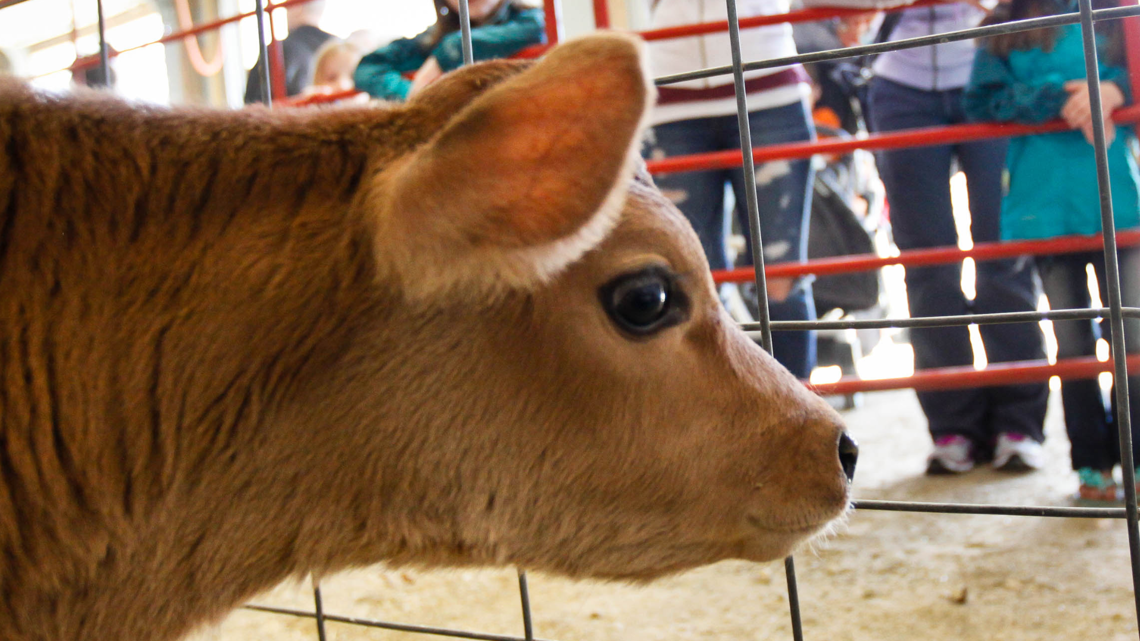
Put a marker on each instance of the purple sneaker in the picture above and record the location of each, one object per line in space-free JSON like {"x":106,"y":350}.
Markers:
{"x":951,"y":455}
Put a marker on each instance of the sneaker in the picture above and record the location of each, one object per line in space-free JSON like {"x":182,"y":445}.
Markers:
{"x":951,"y":455}
{"x":733,"y":301}
{"x":1096,"y":485}
{"x":1017,"y":453}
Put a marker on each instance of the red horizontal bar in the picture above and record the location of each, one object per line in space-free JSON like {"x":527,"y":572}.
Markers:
{"x":177,"y":35}
{"x":894,"y":140}
{"x":533,"y":51}
{"x":803,"y":15}
{"x":318,"y":98}
{"x":996,"y":374}
{"x":932,"y":256}
{"x":530,"y":52}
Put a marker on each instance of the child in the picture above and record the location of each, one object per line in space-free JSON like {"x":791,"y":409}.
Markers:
{"x":333,"y":65}
{"x":1032,"y":77}
{"x":499,"y":28}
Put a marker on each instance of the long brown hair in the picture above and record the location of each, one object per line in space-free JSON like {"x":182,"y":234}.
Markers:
{"x":1004,"y":44}
{"x":447,"y":19}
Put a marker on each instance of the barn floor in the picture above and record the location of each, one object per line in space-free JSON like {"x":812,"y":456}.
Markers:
{"x":886,"y":576}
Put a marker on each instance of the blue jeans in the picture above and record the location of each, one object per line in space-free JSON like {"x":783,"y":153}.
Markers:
{"x":917,"y":182}
{"x":1089,"y":423}
{"x":783,"y":190}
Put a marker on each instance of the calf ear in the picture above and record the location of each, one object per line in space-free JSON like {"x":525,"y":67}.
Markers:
{"x":443,"y":99}
{"x":523,"y":180}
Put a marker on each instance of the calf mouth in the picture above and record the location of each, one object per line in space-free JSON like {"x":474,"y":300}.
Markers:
{"x":770,"y":540}
{"x":805,"y":529}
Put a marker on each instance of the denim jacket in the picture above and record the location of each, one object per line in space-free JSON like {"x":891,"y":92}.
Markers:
{"x":381,"y":73}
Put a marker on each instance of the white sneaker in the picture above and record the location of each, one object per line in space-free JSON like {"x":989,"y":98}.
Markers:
{"x":1018,"y":453}
{"x":733,"y":301}
{"x":951,"y":455}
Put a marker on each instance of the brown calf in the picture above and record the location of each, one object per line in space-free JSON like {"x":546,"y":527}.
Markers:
{"x":241,"y":346}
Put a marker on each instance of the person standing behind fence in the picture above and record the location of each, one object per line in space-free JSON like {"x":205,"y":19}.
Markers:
{"x":700,"y":116}
{"x":1031,"y":77}
{"x":298,"y":51}
{"x":499,"y":29}
{"x":922,"y":87}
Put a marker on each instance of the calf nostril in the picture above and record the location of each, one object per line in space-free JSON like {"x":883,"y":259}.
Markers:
{"x":848,"y":454}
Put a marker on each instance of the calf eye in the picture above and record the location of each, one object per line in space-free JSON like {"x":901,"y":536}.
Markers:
{"x":644,"y":302}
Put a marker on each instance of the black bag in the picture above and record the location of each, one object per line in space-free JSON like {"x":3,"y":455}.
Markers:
{"x":837,"y":231}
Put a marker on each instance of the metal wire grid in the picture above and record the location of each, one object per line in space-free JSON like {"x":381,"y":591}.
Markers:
{"x":1115,"y":312}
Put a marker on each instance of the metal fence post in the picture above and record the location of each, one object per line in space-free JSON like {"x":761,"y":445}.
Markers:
{"x":104,"y":62}
{"x":1116,"y":317}
{"x":524,"y":596}
{"x":266,"y":95}
{"x":465,"y":29}
{"x":319,"y":609}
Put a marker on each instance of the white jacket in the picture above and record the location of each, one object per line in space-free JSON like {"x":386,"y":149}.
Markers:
{"x":713,"y":50}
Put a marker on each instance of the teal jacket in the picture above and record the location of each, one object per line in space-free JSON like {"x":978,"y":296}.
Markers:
{"x":1052,"y":188}
{"x":381,"y":73}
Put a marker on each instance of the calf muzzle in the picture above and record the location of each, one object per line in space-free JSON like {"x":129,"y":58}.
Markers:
{"x":848,"y":455}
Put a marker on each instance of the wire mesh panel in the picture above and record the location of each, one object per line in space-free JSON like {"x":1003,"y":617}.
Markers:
{"x":1115,"y":311}
{"x":1110,"y":241}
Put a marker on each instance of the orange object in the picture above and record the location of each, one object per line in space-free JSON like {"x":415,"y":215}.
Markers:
{"x":193,"y":51}
{"x":826,"y":117}
{"x":966,"y":376}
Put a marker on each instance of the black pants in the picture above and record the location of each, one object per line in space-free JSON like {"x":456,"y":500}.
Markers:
{"x":917,"y":181}
{"x":1091,"y":428}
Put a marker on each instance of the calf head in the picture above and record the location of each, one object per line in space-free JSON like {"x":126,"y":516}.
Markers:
{"x":599,"y":414}
{"x":467,"y":331}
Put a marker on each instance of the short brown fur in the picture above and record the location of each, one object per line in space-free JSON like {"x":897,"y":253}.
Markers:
{"x":237,"y":347}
